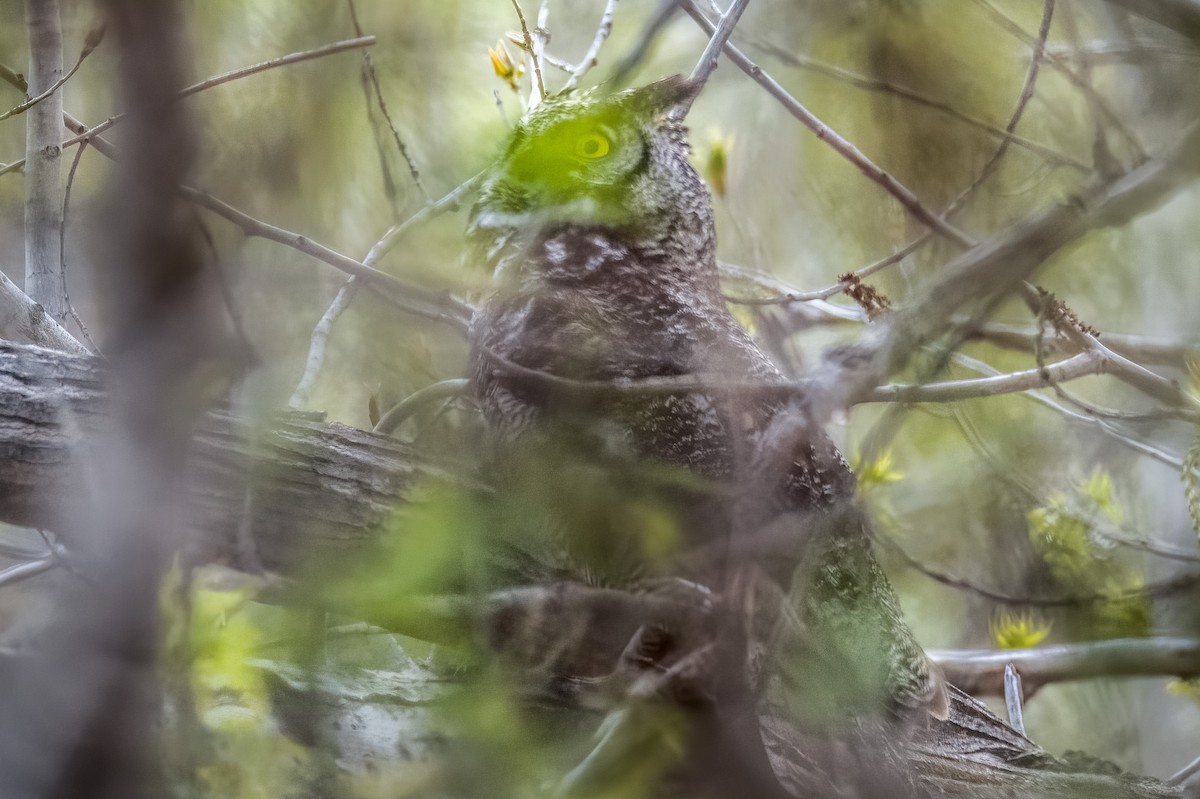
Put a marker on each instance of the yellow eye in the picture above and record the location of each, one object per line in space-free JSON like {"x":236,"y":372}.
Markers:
{"x":593,"y":145}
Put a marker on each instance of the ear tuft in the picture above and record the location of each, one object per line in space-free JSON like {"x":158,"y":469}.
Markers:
{"x":663,"y":95}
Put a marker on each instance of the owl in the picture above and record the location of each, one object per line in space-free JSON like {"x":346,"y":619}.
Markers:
{"x":605,"y":336}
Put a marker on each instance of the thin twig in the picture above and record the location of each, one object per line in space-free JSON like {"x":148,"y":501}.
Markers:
{"x":1174,"y":585}
{"x":1085,"y":363}
{"x":1014,"y":119}
{"x":318,"y":340}
{"x":217,"y":80}
{"x":837,"y":288}
{"x":1065,"y":70}
{"x":537,"y":64}
{"x":447,"y":203}
{"x":827,"y":134}
{"x":346,"y":294}
{"x":62,"y":248}
{"x":403,"y":410}
{"x":590,"y":59}
{"x":90,"y":43}
{"x":369,"y":68}
{"x":438,"y":306}
{"x":719,"y":38}
{"x":1108,"y":428}
{"x":879,"y":85}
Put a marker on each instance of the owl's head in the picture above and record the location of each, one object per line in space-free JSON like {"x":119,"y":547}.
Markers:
{"x":615,"y":161}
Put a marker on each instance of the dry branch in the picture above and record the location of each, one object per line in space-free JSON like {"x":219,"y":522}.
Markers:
{"x":982,"y":672}
{"x":318,"y":487}
{"x":24,"y":321}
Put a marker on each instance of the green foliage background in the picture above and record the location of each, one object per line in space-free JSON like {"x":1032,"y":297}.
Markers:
{"x":1000,"y":491}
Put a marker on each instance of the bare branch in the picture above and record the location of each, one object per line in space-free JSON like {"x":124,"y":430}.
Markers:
{"x":878,"y":85}
{"x":316,"y":349}
{"x":994,"y":267}
{"x":373,"y":78}
{"x":43,"y":160}
{"x":847,"y":150}
{"x":438,"y":306}
{"x":637,"y":54}
{"x":1183,"y":582}
{"x":62,"y":247}
{"x":320,"y":337}
{"x":1185,"y":774}
{"x":982,"y":671}
{"x":1085,"y":363}
{"x":90,"y":43}
{"x":529,"y":46}
{"x":1144,"y":349}
{"x":795,"y":295}
{"x":23,"y":571}
{"x":589,"y":59}
{"x":712,"y":51}
{"x":1181,"y":16}
{"x":1108,"y":428}
{"x":1093,"y":97}
{"x":216,"y":80}
{"x":25,"y":321}
{"x":398,"y":414}
{"x":449,"y":202}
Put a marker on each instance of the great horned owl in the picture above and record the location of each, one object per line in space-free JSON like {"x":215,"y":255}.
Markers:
{"x":602,"y":241}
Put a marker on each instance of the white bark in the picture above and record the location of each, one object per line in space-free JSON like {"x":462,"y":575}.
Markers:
{"x":25,"y":322}
{"x":43,"y":161}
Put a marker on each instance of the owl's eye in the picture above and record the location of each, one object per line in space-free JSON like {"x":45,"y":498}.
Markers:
{"x":592,"y":146}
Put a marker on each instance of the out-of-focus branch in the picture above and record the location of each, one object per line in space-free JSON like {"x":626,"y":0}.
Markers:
{"x":645,"y":41}
{"x":81,"y":713}
{"x":43,"y":160}
{"x":372,"y":77}
{"x":1181,"y":16}
{"x":439,"y":306}
{"x":1097,"y":101}
{"x":1143,"y":349}
{"x":982,"y":671}
{"x":20,"y":572}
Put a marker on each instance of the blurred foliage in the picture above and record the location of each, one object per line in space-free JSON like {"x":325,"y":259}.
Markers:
{"x":1001,"y":492}
{"x":1018,"y":630}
